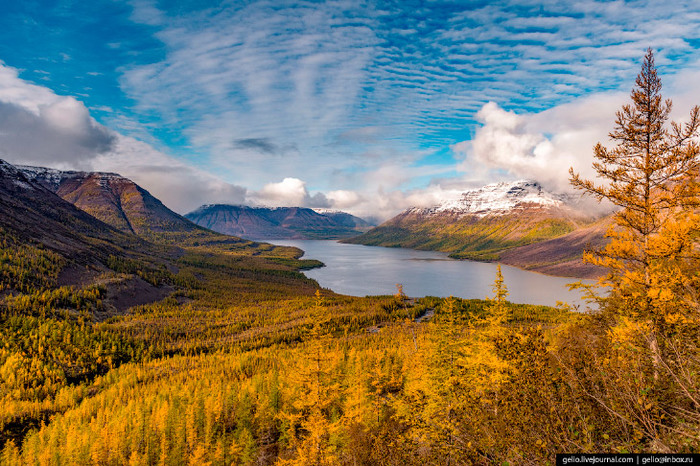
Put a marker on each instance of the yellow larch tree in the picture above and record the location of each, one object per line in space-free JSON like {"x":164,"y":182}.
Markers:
{"x":651,"y":174}
{"x":651,"y":319}
{"x":498,"y":306}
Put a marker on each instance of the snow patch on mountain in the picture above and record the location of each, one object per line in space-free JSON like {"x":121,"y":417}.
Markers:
{"x":53,"y":178}
{"x":496,"y":199}
{"x":324,"y":211}
{"x":47,"y":175}
{"x":16,"y":176}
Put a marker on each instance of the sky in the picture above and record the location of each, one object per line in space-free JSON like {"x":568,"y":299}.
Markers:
{"x":364,"y":106}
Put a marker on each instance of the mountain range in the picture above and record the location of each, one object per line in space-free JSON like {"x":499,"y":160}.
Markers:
{"x":92,"y":215}
{"x":70,"y":228}
{"x":517,"y":223}
{"x":278,"y":222}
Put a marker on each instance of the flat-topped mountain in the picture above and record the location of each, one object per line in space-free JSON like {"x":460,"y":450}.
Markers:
{"x":277,"y":222}
{"x":483,"y":223}
{"x":116,"y":201}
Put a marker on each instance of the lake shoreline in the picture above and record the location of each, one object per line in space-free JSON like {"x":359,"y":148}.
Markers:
{"x":359,"y":270}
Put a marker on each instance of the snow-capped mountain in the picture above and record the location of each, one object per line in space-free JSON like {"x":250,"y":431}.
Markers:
{"x":497,"y":199}
{"x":484,"y":223}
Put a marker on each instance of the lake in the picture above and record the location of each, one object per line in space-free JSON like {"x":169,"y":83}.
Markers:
{"x":358,"y":270}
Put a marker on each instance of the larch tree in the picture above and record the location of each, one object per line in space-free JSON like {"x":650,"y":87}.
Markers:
{"x":651,"y":175}
{"x":498,"y":306}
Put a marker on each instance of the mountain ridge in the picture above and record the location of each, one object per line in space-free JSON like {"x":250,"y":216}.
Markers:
{"x":484,"y":223}
{"x":276,"y":222}
{"x":34,"y":212}
{"x":119,"y":202}
{"x":498,"y":199}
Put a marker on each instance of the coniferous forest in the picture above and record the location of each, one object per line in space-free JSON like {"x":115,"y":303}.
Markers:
{"x":248,"y":362}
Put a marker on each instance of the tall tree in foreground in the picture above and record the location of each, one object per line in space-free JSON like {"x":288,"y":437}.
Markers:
{"x":652,"y":312}
{"x":651,"y":174}
{"x":647,"y":346}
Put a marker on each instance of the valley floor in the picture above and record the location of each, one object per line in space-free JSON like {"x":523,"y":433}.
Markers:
{"x":247,"y":362}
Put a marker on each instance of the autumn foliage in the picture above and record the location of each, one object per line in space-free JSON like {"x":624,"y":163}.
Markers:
{"x":247,"y":362}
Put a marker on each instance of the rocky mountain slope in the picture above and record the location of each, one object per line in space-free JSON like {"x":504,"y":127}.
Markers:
{"x":561,"y":256}
{"x":118,"y":202}
{"x":31,"y":212}
{"x":485,"y":223}
{"x":47,"y":242}
{"x":277,"y":223}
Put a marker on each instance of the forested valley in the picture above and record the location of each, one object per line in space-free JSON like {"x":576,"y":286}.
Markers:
{"x":247,"y":362}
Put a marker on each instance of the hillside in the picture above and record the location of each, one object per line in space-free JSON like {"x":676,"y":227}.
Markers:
{"x":33,"y":213}
{"x":118,"y":202}
{"x":561,"y":256}
{"x":277,"y":223}
{"x":482,"y":223}
{"x":51,"y":246}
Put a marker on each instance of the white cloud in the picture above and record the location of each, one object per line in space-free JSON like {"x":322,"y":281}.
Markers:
{"x":145,"y":12}
{"x":290,"y":192}
{"x":381,"y":205}
{"x":38,"y":126}
{"x":14,"y":90}
{"x":343,"y":199}
{"x":541,"y":146}
{"x":544,"y":145}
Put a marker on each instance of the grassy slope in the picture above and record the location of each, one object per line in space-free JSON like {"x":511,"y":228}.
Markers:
{"x":562,"y":255}
{"x":469,"y":237}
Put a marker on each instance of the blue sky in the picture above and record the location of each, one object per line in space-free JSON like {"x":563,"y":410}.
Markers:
{"x":366,"y":106}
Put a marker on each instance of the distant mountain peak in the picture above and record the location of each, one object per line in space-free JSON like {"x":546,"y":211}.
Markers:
{"x":497,"y":199}
{"x":277,"y":222}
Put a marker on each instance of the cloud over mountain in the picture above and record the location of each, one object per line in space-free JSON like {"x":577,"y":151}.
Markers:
{"x":39,"y":127}
{"x":542,"y":145}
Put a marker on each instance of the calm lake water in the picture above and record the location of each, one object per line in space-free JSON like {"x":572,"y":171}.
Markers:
{"x":358,"y":270}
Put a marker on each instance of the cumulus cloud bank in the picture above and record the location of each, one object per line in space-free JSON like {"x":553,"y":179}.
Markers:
{"x":39,"y":127}
{"x":290,"y":192}
{"x":541,"y":146}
